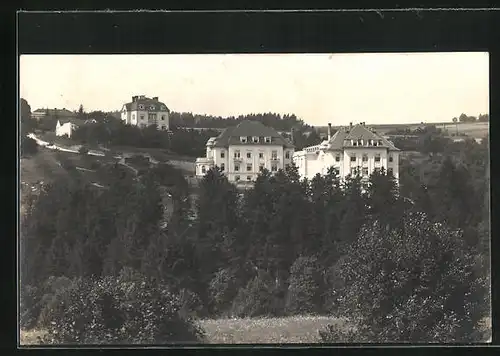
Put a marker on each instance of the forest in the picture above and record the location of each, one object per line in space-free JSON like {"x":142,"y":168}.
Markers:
{"x":405,"y":261}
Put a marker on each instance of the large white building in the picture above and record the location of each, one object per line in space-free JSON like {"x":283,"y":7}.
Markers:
{"x":351,"y":150}
{"x":242,"y":151}
{"x":143,"y":112}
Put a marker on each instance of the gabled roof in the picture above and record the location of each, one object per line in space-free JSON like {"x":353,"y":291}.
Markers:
{"x":75,"y":121}
{"x":58,"y":112}
{"x":231,"y":135}
{"x":148,"y":104}
{"x":358,"y":132}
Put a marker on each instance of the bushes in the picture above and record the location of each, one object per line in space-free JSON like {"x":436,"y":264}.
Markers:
{"x":222,"y":290}
{"x":257,"y":298}
{"x":303,"y":296}
{"x":128,"y":309}
{"x":83,"y":150}
{"x":28,"y":146}
{"x":417,"y":284}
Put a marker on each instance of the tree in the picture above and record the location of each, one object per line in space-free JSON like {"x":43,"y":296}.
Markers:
{"x":217,"y":221}
{"x":304,"y":287}
{"x":416,"y":284}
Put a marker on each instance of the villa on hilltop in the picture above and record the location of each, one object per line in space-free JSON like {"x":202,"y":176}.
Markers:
{"x":351,"y":150}
{"x":242,"y":151}
{"x":143,"y":111}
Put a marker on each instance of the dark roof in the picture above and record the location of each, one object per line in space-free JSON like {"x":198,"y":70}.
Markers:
{"x":149,"y":105}
{"x":72,"y":120}
{"x":231,"y":135}
{"x":337,"y":141}
{"x":59,"y":112}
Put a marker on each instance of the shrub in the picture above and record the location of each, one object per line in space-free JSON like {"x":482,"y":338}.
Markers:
{"x":414,"y":284}
{"x":222,"y":290}
{"x":29,"y":307}
{"x":28,"y":146}
{"x":83,"y":150}
{"x":257,"y":298}
{"x":126,"y":309}
{"x":303,"y":296}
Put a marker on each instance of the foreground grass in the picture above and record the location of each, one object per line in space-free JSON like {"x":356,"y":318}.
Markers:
{"x":300,"y":329}
{"x":297,"y":329}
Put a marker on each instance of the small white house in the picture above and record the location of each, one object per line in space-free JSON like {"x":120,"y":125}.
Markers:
{"x":351,"y":150}
{"x":66,"y":127}
{"x":242,"y":151}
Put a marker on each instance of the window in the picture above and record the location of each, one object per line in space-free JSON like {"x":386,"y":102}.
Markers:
{"x":163,"y":127}
{"x":255,"y":139}
{"x":337,"y":171}
{"x":236,"y":154}
{"x":274,"y":155}
{"x":391,"y":158}
{"x":163,"y":117}
{"x":163,"y":107}
{"x":287,"y":166}
{"x":365,"y":158}
{"x":274,"y":167}
{"x":261,"y":155}
{"x":287,"y":154}
{"x":142,"y":117}
{"x":261,"y":166}
{"x":133,"y":116}
{"x":390,"y":171}
{"x":267,"y":140}
{"x":236,"y":178}
{"x":249,"y":178}
{"x":236,"y":167}
{"x":337,"y":158}
{"x":203,"y":169}
{"x":151,"y":107}
{"x":365,"y":171}
{"x":249,"y":154}
{"x":353,"y":158}
{"x":222,"y":167}
{"x":243,"y":139}
{"x":354,"y":143}
{"x":223,"y":154}
{"x":377,"y":157}
{"x":353,"y":171}
{"x":141,"y":107}
{"x":249,"y":167}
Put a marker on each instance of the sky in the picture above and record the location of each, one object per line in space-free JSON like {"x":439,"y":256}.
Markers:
{"x":318,"y":88}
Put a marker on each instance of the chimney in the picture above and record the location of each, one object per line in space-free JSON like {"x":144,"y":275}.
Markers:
{"x":142,"y":97}
{"x":329,"y":130}
{"x":134,"y":98}
{"x":350,"y":125}
{"x":155,"y":98}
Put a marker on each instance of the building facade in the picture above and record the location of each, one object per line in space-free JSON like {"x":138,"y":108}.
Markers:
{"x":351,"y":150}
{"x":143,"y":111}
{"x":242,"y":151}
{"x":62,"y":114}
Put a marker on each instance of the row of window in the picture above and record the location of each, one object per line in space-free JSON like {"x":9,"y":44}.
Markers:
{"x":274,"y":154}
{"x":364,"y":171}
{"x":365,"y":158}
{"x":150,"y":117}
{"x":151,"y":107}
{"x":274,"y":168}
{"x":255,"y":139}
{"x":237,"y":178}
{"x":362,"y":142}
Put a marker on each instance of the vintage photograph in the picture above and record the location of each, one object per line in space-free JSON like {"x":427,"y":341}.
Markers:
{"x":254,"y":199}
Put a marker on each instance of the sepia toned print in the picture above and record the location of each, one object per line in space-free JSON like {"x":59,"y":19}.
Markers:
{"x":250,"y":199}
